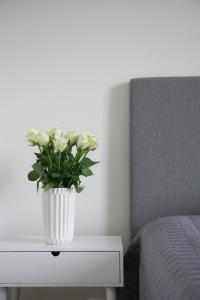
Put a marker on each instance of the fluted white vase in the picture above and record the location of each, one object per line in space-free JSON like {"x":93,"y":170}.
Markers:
{"x":58,"y":210}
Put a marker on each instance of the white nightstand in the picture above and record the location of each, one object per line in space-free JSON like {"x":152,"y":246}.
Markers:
{"x":87,"y":261}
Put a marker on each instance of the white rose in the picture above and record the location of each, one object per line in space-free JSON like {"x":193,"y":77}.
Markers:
{"x":55,"y":132}
{"x":32,"y":137}
{"x":73,"y":137}
{"x":82,"y":142}
{"x":87,"y":141}
{"x":43,"y":139}
{"x":60,"y":144}
{"x":92,"y":142}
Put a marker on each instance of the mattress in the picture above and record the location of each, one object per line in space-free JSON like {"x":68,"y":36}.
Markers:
{"x":163,"y":261}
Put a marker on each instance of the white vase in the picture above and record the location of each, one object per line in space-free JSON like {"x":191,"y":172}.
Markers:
{"x":58,"y":210}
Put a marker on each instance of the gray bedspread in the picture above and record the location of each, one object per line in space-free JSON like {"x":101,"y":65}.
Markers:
{"x":163,"y":261}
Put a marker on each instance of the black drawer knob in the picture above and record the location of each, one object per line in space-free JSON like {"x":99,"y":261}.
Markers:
{"x":55,"y":253}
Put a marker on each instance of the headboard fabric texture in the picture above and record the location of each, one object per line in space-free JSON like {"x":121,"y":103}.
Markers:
{"x":164,"y":148}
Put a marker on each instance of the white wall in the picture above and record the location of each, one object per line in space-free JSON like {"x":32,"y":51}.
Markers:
{"x":67,"y":64}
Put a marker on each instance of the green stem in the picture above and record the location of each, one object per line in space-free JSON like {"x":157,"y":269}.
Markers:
{"x":68,"y":151}
{"x":84,"y":155}
{"x":49,"y":157}
{"x":77,"y":155}
{"x":81,"y":158}
{"x":59,"y":160}
{"x":70,"y":183}
{"x":47,"y":154}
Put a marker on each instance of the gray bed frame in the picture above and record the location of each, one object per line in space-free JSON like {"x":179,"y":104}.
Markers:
{"x":164,"y":148}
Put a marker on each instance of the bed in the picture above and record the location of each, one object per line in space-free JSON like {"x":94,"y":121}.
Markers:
{"x":163,"y":259}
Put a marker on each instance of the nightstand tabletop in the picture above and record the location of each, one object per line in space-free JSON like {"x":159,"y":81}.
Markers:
{"x":79,"y":243}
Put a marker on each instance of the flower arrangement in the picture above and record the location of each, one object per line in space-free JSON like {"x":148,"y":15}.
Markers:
{"x":62,"y":158}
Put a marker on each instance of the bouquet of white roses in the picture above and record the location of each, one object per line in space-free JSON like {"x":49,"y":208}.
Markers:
{"x":61,"y":158}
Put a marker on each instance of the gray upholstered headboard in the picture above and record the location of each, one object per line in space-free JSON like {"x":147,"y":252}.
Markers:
{"x":165,"y":148}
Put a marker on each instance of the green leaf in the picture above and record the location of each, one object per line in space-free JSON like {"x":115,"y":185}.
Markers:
{"x":39,"y":169}
{"x":86,"y":172}
{"x":49,"y":186}
{"x":80,"y":189}
{"x":33,"y":175}
{"x":71,"y":156}
{"x":55,"y":175}
{"x":74,"y":177}
{"x":61,"y":184}
{"x":66,"y":170}
{"x":38,"y":155}
{"x":87,"y":162}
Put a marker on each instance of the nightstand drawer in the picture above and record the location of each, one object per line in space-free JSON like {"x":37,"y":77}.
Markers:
{"x":67,"y":269}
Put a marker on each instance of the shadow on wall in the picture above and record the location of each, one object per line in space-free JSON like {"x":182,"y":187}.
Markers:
{"x":118,"y":162}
